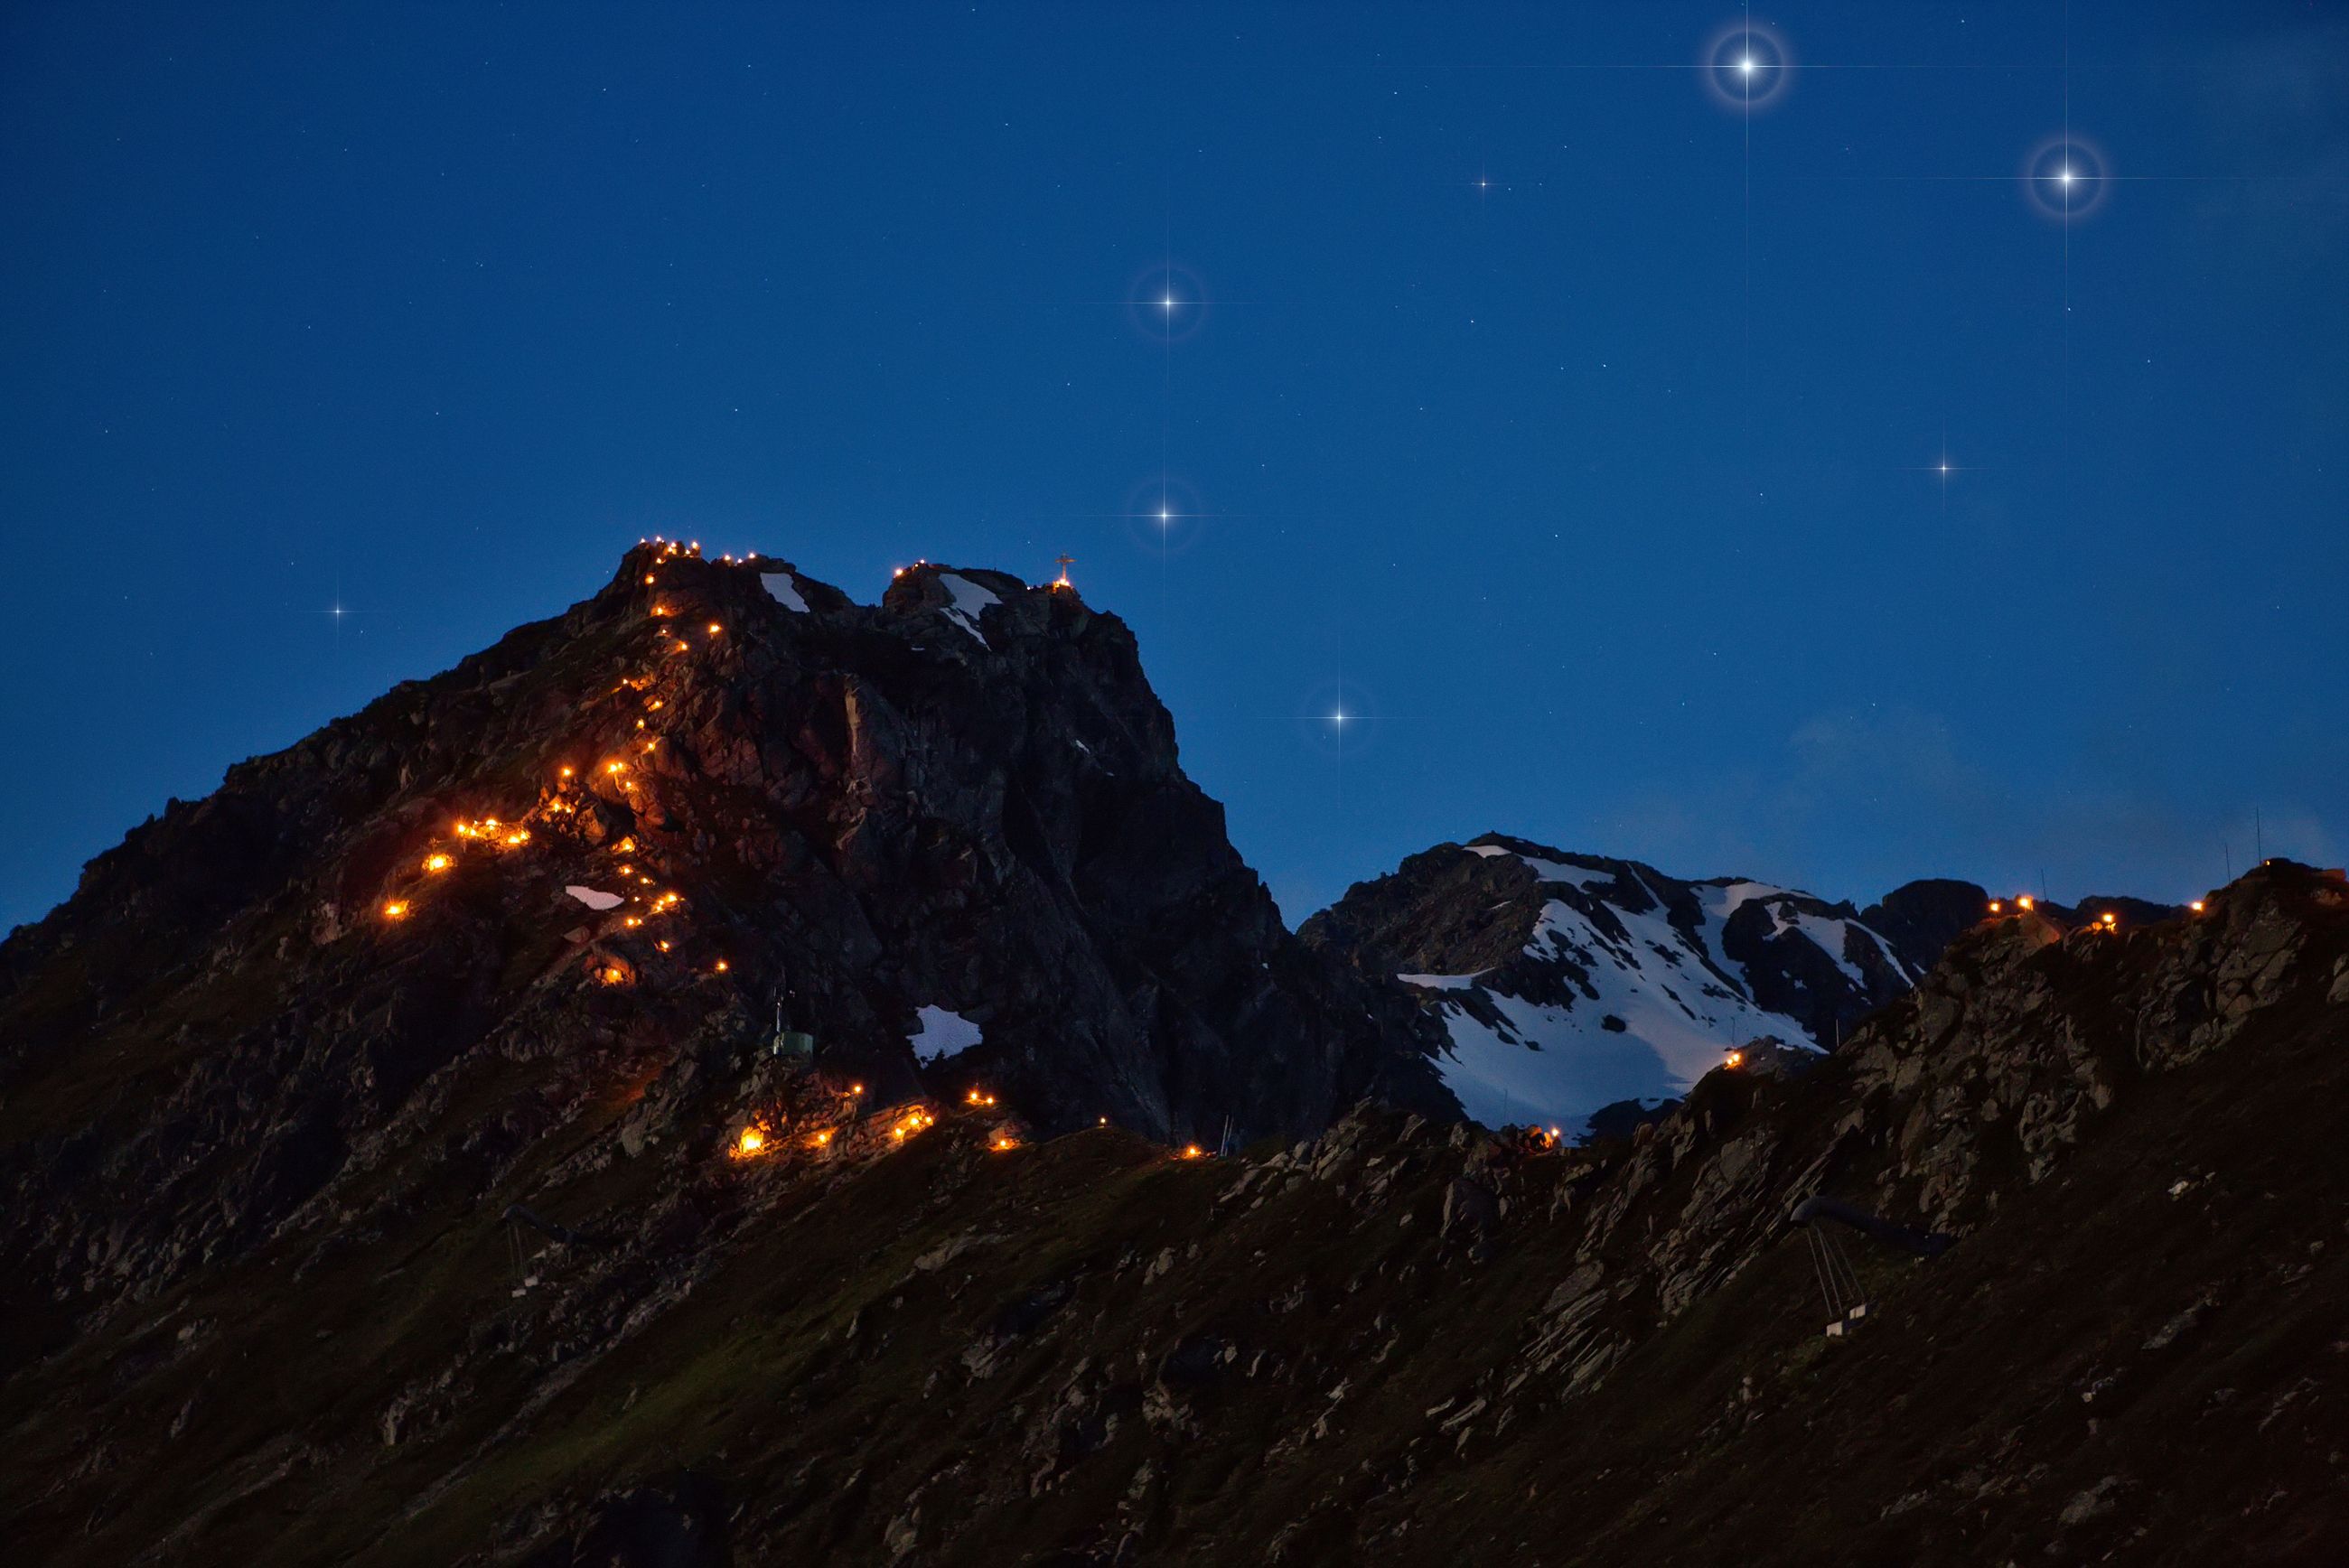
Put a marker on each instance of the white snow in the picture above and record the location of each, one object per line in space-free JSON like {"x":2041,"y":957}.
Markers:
{"x":1680,"y":1001}
{"x":1555,"y":1065}
{"x":941,"y":1034}
{"x":1829,"y":935}
{"x":1568,"y":1069}
{"x":969,"y":599}
{"x":594,"y":898}
{"x":784,"y":589}
{"x":1735,"y":895}
{"x":1547,"y":869}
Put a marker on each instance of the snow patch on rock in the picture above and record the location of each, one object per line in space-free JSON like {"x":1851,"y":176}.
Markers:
{"x":783,"y":588}
{"x":939,"y":1033}
{"x":969,"y":600}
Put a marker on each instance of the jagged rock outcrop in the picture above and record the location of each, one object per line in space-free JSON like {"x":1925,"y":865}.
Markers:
{"x":1921,"y":918}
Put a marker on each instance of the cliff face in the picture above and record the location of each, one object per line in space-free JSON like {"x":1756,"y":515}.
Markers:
{"x":947,"y":836}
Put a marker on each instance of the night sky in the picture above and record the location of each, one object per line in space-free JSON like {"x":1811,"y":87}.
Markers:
{"x":1572,"y":424}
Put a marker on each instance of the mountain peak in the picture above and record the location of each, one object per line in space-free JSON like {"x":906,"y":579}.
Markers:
{"x":947,"y":836}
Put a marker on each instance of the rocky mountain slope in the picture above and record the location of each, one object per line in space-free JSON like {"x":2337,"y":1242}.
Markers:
{"x":947,"y":836}
{"x":1570,"y":983}
{"x":926,"y":1336}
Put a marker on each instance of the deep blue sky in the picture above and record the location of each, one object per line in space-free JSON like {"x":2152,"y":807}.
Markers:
{"x":1604,"y":488}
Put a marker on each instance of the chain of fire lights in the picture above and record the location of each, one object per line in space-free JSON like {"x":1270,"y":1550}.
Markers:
{"x":2108,"y":921}
{"x":761,"y":1138}
{"x":503,"y":834}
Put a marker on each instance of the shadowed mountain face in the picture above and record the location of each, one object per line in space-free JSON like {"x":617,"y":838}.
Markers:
{"x":947,"y":836}
{"x":1921,"y":919}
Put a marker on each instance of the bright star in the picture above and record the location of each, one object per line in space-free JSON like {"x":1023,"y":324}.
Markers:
{"x":1166,"y":303}
{"x":1746,"y":66}
{"x":2065,"y":178}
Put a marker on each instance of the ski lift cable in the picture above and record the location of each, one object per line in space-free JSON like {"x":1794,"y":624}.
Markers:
{"x":1818,"y":1268}
{"x":1839,"y":1261}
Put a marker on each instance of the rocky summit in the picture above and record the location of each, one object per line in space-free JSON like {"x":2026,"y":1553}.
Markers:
{"x":732,"y":1076}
